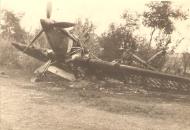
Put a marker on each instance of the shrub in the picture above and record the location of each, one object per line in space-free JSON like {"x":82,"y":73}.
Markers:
{"x":13,"y":58}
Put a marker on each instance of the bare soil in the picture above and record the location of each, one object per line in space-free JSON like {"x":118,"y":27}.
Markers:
{"x":86,"y":105}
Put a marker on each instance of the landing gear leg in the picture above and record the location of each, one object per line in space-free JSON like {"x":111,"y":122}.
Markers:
{"x":40,"y":72}
{"x":37,"y":78}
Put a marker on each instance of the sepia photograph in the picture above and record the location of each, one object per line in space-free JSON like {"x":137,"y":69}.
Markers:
{"x":94,"y":65}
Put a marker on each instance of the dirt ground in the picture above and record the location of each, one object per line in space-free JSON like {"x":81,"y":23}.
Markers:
{"x":87,"y":106}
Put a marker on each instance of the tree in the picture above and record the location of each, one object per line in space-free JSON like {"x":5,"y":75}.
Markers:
{"x":10,"y":26}
{"x":84,"y":30}
{"x":159,"y":17}
{"x":119,"y":36}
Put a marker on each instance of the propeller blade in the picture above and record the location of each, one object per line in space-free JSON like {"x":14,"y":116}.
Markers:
{"x":63,"y":24}
{"x":42,"y":69}
{"x":49,"y":10}
{"x":36,"y":37}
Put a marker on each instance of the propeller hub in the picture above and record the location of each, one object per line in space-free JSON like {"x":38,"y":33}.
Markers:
{"x":46,"y":23}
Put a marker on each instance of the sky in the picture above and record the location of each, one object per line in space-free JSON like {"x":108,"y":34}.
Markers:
{"x":101,"y":12}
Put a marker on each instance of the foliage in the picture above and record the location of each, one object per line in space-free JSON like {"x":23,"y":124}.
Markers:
{"x":186,"y":62}
{"x":10,"y":26}
{"x":143,"y":48}
{"x":83,"y":29}
{"x":11,"y":57}
{"x":8,"y":56}
{"x":85,"y":32}
{"x":160,"y":16}
{"x":41,"y":42}
{"x":131,"y":20}
{"x":118,"y":36}
{"x":12,"y":31}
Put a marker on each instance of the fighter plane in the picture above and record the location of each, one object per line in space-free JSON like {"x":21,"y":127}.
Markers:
{"x":67,"y":54}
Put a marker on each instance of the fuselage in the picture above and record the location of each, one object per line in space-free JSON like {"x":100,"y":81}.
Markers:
{"x":58,"y":40}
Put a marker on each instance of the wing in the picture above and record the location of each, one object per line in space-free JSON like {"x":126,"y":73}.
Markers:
{"x":62,"y":73}
{"x":38,"y":53}
{"x":122,"y":72}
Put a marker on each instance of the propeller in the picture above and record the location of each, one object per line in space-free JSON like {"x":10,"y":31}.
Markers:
{"x":63,"y":24}
{"x":36,"y":37}
{"x":49,"y":10}
{"x":48,"y":15}
{"x":57,"y":24}
{"x":53,"y":24}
